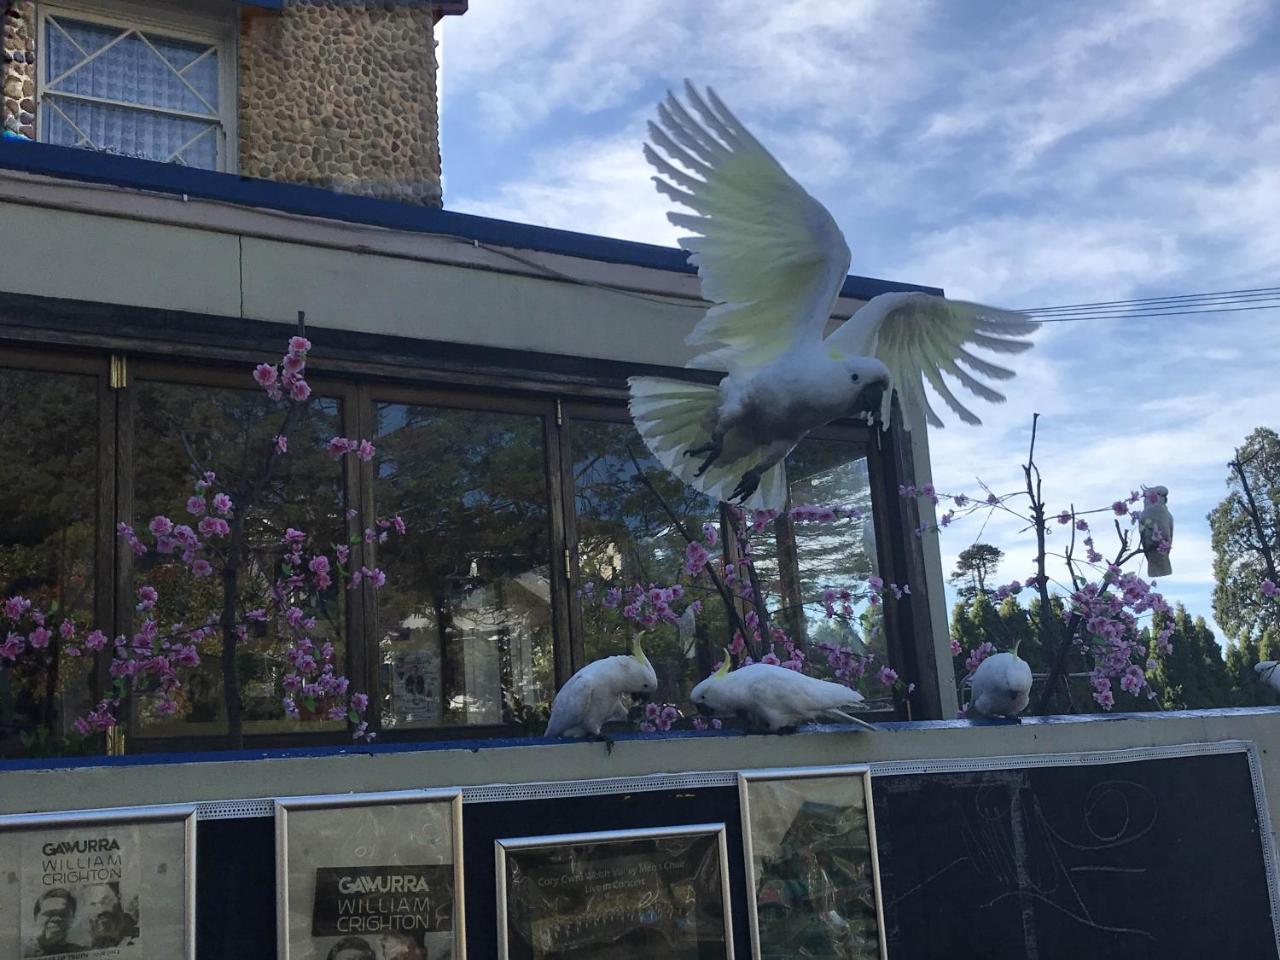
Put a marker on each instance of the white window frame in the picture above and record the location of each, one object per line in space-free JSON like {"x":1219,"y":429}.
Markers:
{"x":192,"y":22}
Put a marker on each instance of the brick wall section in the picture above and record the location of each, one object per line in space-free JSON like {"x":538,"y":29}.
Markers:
{"x":19,"y":19}
{"x":341,"y":94}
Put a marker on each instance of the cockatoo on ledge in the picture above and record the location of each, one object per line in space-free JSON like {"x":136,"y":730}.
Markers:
{"x":774,"y":697}
{"x":772,"y":262}
{"x":597,"y":694}
{"x":1001,"y":686}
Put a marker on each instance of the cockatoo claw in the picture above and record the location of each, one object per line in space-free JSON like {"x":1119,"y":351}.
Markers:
{"x":747,"y":485}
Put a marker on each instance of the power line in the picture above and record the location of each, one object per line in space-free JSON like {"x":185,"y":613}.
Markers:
{"x":1222,"y":301}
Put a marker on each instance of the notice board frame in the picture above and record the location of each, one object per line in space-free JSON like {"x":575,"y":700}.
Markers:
{"x":172,"y":813}
{"x":283,"y":806}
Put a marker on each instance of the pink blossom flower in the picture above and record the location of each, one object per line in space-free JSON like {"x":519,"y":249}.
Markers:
{"x":222,"y":503}
{"x":200,"y":567}
{"x":365,"y":451}
{"x":340,"y":446}
{"x":359,"y":702}
{"x":955,"y":647}
{"x":299,"y":390}
{"x":299,"y":345}
{"x":888,"y":676}
{"x":147,"y":597}
{"x":195,"y":506}
{"x":1064,"y":517}
{"x":266,"y":375}
{"x":695,"y":558}
{"x":160,"y":526}
{"x":342,"y":552}
{"x":15,"y":607}
{"x":294,"y":536}
{"x":39,"y":638}
{"x":1268,"y":588}
{"x":1119,"y":508}
{"x":294,"y":364}
{"x":398,"y":523}
{"x":710,"y":534}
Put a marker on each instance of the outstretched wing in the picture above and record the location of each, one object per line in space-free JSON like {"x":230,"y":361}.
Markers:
{"x":920,"y":337}
{"x":770,"y":257}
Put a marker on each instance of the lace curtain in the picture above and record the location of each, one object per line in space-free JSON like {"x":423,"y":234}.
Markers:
{"x":125,"y":91}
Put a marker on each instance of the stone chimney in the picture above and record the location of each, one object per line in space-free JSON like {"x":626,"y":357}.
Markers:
{"x":341,"y":94}
{"x":19,"y":73}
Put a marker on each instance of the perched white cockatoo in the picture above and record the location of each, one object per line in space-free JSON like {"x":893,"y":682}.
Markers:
{"x":1001,"y":685}
{"x":1268,"y":674}
{"x":773,"y":696}
{"x":772,"y":262}
{"x":598,"y":693}
{"x":1155,"y":527}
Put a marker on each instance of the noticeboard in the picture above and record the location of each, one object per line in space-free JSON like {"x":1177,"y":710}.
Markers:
{"x":99,"y":884}
{"x":613,"y":895}
{"x":370,"y":876}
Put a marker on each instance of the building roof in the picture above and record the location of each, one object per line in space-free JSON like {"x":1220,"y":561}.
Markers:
{"x":88,"y":166}
{"x":442,"y":7}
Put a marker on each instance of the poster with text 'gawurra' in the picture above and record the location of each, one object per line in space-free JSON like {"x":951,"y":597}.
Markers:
{"x":98,"y":885}
{"x":370,"y":876}
{"x":615,"y":895}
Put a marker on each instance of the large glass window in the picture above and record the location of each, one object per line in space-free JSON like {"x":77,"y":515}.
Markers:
{"x":182,"y":430}
{"x":119,"y":88}
{"x":465,"y":620}
{"x":627,"y":536}
{"x":528,"y":525}
{"x":49,"y":475}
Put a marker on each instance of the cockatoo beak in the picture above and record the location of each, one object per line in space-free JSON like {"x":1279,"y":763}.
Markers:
{"x":871,"y":396}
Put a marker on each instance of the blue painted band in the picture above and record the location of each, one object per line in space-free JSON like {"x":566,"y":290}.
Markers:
{"x":86,"y":165}
{"x":474,"y":746}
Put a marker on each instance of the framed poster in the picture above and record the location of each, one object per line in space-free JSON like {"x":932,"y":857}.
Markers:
{"x":809,"y":841}
{"x":374,"y":876}
{"x":615,"y":895}
{"x":99,"y":884}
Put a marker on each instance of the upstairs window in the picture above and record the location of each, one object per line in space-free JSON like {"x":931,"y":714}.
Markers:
{"x":128,"y":89}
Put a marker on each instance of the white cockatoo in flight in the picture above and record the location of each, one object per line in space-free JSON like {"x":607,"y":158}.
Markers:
{"x":774,"y":697}
{"x":598,"y":693}
{"x":772,"y":262}
{"x":1155,"y":528}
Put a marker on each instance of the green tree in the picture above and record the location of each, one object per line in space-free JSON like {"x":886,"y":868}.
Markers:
{"x":1246,"y":540}
{"x":975,"y":564}
{"x":1193,"y":675}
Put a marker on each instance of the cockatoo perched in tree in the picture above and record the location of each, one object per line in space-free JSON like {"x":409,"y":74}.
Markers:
{"x":1001,"y":686}
{"x":598,"y":693}
{"x":772,"y":261}
{"x":1155,"y":527}
{"x":774,"y":697}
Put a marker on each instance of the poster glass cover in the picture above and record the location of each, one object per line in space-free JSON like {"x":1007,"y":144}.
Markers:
{"x":615,"y":895}
{"x":370,"y":876}
{"x":809,"y":839}
{"x":98,"y":885}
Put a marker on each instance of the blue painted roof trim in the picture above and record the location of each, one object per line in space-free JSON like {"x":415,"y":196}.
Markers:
{"x":86,"y":165}
{"x":475,"y":746}
{"x":265,"y":4}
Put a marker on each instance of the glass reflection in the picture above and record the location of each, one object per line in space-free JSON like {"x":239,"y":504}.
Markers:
{"x":184,"y":429}
{"x":464,"y":621}
{"x":799,"y":560}
{"x":626,"y":537}
{"x":48,"y":517}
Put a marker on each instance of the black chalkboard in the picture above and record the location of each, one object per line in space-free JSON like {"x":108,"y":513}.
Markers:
{"x":1158,"y":858}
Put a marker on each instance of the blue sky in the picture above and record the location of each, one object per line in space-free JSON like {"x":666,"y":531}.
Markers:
{"x":1017,"y":153}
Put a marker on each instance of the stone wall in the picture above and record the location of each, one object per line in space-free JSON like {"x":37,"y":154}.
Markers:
{"x":19,"y":73}
{"x":341,"y":94}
